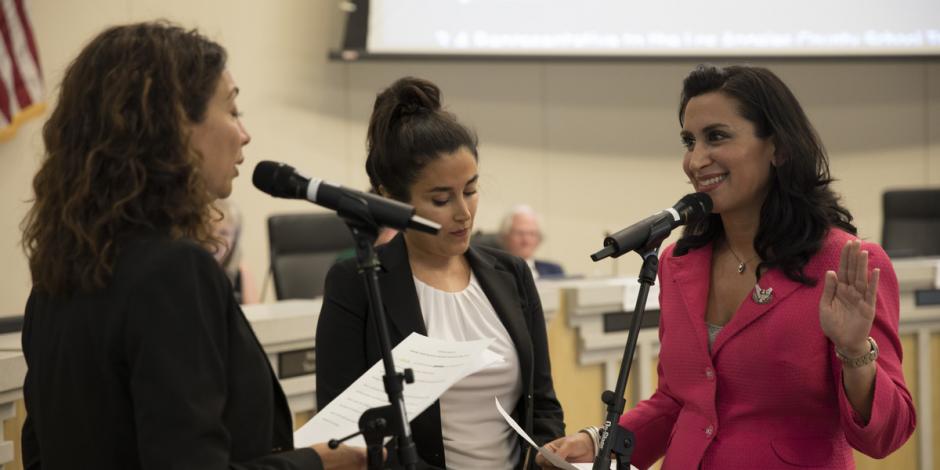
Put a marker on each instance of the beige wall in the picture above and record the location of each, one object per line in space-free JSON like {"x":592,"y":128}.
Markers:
{"x":593,"y":146}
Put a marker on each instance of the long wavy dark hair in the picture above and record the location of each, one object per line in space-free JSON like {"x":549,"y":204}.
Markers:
{"x":117,"y":154}
{"x":800,"y":206}
{"x":408,"y":129}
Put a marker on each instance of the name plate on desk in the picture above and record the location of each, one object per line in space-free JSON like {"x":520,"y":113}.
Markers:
{"x":925,"y":297}
{"x":296,"y":363}
{"x":620,"y":321}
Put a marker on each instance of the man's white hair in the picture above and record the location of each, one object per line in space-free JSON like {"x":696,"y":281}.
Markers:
{"x":520,"y":209}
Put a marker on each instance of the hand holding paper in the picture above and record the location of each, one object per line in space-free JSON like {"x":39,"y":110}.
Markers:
{"x":437,"y":365}
{"x":550,"y":456}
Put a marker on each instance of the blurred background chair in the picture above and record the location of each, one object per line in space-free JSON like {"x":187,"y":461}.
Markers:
{"x":480,"y":238}
{"x":11,"y":324}
{"x":911,"y":222}
{"x":303,"y":248}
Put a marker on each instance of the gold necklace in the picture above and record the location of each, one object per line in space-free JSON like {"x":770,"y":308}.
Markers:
{"x":742,"y":265}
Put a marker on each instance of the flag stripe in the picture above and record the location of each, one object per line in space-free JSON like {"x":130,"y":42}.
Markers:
{"x":28,"y":33}
{"x":19,"y":88}
{"x":32,"y":81}
{"x":5,"y":103}
{"x":9,"y":108}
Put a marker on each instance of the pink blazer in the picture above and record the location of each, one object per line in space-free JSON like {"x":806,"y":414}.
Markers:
{"x":769,"y":395}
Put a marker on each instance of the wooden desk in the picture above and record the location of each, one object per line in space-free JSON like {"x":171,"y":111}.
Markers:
{"x":287,"y":332}
{"x":12,"y":372}
{"x":10,"y":342}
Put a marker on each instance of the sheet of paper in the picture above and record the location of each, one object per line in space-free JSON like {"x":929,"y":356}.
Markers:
{"x":589,"y":466}
{"x":552,"y":457}
{"x":549,"y":455}
{"x":437,"y":365}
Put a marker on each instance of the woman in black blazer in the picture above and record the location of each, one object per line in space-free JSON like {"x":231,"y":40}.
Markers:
{"x":421,"y":155}
{"x":138,"y":354}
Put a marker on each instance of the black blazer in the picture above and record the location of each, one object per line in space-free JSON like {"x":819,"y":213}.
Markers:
{"x":159,"y":370}
{"x":347,"y":339}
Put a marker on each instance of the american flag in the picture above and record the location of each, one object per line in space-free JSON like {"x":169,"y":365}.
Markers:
{"x":20,"y":74}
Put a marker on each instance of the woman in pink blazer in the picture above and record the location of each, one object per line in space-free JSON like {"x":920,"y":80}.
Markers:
{"x":779,"y":328}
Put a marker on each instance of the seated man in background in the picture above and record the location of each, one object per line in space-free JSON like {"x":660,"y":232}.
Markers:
{"x":521,"y":235}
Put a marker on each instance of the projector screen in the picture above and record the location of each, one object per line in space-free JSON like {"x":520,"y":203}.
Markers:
{"x":681,"y":28}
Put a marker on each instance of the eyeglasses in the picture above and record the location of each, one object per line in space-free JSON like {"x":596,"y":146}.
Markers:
{"x":525,"y":233}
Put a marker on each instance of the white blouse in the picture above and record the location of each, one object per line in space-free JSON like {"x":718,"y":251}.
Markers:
{"x":475,"y":435}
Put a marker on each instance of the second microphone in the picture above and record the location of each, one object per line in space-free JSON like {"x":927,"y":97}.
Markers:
{"x":282,"y":180}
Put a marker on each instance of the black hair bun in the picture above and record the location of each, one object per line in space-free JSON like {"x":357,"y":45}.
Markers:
{"x":416,"y":96}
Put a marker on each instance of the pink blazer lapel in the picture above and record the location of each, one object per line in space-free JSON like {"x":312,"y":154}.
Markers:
{"x":749,"y":311}
{"x":692,"y":275}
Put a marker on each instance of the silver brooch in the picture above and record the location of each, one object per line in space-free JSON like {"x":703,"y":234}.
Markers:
{"x":762,"y":296}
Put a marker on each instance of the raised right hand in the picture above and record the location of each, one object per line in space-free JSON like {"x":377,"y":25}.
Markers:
{"x":577,"y":447}
{"x":341,"y":458}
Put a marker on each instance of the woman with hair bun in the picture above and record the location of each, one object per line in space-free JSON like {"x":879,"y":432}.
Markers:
{"x":440,"y":286}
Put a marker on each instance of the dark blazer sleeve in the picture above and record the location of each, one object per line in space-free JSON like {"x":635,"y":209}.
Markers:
{"x":176,"y":351}
{"x":548,"y":421}
{"x":341,"y":333}
{"x":29,"y":444}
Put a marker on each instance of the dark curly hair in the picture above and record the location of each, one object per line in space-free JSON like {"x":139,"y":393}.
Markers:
{"x":118,"y":159}
{"x":407,"y":130}
{"x":800,"y":206}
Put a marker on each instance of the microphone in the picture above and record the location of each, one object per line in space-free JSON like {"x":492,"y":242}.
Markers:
{"x":280,"y":180}
{"x":651,"y":231}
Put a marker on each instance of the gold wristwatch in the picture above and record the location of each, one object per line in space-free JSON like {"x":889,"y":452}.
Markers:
{"x":864,"y":359}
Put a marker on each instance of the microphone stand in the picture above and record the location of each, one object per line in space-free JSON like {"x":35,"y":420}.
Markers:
{"x":614,"y":438}
{"x":390,"y":420}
